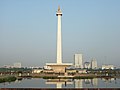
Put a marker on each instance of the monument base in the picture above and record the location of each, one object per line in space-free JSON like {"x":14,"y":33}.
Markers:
{"x":59,"y":68}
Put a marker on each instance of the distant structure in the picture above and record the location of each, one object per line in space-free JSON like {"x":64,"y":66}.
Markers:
{"x":17,"y":65}
{"x":37,"y":70}
{"x":59,"y":67}
{"x":47,"y":67}
{"x":87,"y":65}
{"x":94,"y":64}
{"x":7,"y":66}
{"x":107,"y":67}
{"x":78,"y":61}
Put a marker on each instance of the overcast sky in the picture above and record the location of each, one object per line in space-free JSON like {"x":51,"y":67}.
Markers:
{"x":28,"y":31}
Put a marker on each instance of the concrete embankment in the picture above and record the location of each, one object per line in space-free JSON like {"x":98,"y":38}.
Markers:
{"x":60,"y":89}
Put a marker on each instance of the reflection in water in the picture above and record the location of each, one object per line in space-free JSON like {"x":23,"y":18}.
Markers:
{"x":87,"y":81}
{"x":59,"y":82}
{"x":64,"y":83}
{"x":78,"y":83}
{"x":18,"y":80}
{"x":108,"y":81}
{"x":94,"y":82}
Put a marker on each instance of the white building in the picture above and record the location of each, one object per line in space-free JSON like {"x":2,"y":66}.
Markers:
{"x":94,"y":64}
{"x":47,"y":67}
{"x":87,"y":65}
{"x":78,"y":61}
{"x":37,"y":70}
{"x":107,"y":67}
{"x":17,"y":65}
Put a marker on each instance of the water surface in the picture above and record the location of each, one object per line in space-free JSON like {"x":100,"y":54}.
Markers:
{"x":63,"y":83}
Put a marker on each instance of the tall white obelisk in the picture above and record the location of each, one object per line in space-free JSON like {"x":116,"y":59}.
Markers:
{"x":59,"y":40}
{"x":59,"y":67}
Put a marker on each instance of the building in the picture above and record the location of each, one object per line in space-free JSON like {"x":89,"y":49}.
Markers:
{"x":7,"y":66}
{"x":70,"y":71}
{"x":37,"y":70}
{"x":87,"y":65}
{"x":59,"y":67}
{"x":17,"y":65}
{"x":78,"y":61}
{"x":82,"y":71}
{"x":94,"y":64}
{"x":47,"y":68}
{"x":50,"y":71}
{"x":107,"y":67}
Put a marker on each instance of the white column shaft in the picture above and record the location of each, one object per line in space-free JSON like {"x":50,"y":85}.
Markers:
{"x":59,"y":41}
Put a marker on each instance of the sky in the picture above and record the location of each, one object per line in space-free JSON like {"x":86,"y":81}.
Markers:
{"x":28,"y":31}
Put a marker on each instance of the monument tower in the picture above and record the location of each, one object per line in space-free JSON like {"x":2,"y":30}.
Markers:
{"x":59,"y":40}
{"x":59,"y":67}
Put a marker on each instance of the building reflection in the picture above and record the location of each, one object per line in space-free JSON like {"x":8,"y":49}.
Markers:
{"x":59,"y":82}
{"x":94,"y":81}
{"x":108,"y":80}
{"x":81,"y":83}
{"x":78,"y":83}
{"x":87,"y":81}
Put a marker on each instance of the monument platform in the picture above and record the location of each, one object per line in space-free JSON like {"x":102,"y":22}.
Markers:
{"x":59,"y":67}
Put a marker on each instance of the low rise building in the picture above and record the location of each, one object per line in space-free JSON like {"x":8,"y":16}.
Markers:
{"x":71,"y":70}
{"x":82,"y":71}
{"x":17,"y":65}
{"x":48,"y":71}
{"x":47,"y":67}
{"x":37,"y":70}
{"x":107,"y":66}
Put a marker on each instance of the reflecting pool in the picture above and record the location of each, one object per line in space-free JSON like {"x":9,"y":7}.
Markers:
{"x":63,"y":83}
